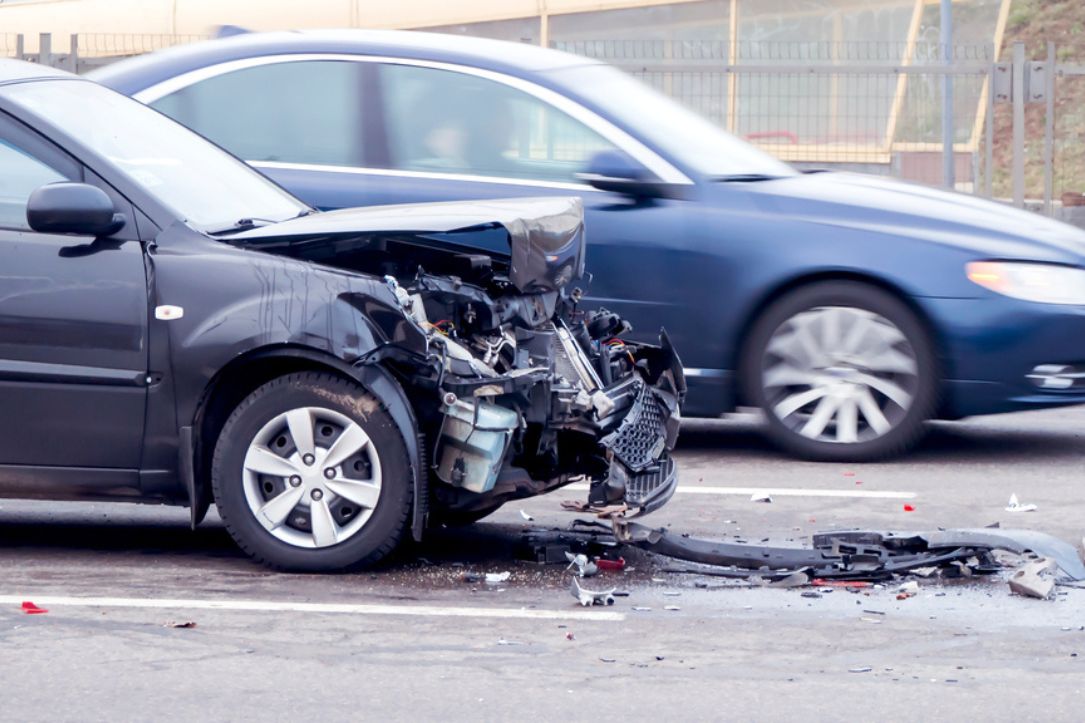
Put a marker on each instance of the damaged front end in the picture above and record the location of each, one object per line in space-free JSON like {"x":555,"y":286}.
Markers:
{"x":517,"y":390}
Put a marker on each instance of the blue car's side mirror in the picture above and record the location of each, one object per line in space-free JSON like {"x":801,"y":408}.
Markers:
{"x":616,"y":172}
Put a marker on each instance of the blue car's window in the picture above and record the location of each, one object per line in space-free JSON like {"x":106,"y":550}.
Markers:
{"x":210,"y":189}
{"x":441,"y":120}
{"x":299,"y":112}
{"x":20,"y":175}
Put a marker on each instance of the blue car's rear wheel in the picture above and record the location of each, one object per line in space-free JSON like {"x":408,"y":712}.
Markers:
{"x":843,"y":371}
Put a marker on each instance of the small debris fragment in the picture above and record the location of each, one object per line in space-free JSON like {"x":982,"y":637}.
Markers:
{"x":584,"y":566}
{"x":179,"y":624}
{"x":672,"y":608}
{"x":502,"y":641}
{"x":1015,"y":506}
{"x":907,"y":590}
{"x":471,"y":577}
{"x":641,"y":609}
{"x":811,"y":594}
{"x":795,"y":579}
{"x":570,"y":636}
{"x":874,"y":621}
{"x":31,"y":609}
{"x":610,"y":565}
{"x":672,"y":593}
{"x":496,"y":578}
{"x":587,"y":598}
{"x":909,"y":508}
{"x":526,"y":516}
{"x":760,"y":497}
{"x":1033,"y":579}
{"x":864,"y":669}
{"x":607,"y":660}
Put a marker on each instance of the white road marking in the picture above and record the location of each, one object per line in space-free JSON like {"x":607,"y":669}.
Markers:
{"x":59,"y":601}
{"x":777,"y":492}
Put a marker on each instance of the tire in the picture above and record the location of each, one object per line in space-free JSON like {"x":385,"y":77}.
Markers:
{"x":843,"y":371}
{"x":348,"y":514}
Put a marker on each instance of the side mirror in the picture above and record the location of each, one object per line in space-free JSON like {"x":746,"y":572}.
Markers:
{"x":72,"y":208}
{"x":616,"y":172}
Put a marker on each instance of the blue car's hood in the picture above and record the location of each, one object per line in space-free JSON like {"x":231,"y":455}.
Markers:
{"x":885,"y":206}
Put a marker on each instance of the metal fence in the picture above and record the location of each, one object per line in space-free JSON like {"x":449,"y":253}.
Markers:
{"x":1018,"y":126}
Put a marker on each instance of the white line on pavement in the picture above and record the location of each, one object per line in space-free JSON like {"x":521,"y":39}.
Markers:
{"x":779,"y":492}
{"x":47,"y":601}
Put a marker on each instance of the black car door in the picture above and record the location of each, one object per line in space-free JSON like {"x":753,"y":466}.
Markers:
{"x":73,"y":329}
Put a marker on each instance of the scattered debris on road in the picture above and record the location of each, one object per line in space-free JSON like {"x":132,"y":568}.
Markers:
{"x":31,"y":609}
{"x":584,"y":566}
{"x":1015,"y":506}
{"x":179,"y":624}
{"x":1034,"y":579}
{"x":761,"y":497}
{"x":496,"y":578}
{"x":588,"y":598}
{"x":526,"y":516}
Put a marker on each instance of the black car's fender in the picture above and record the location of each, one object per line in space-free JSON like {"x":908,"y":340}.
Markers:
{"x":240,"y":318}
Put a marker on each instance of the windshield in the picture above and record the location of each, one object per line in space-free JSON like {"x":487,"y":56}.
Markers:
{"x":208,"y":188}
{"x":677,"y":131}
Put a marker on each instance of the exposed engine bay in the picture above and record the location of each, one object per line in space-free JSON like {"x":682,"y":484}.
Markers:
{"x":517,"y":389}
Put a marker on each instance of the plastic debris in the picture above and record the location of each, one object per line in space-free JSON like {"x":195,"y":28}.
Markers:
{"x":1015,"y":506}
{"x":1034,"y":579}
{"x":672,"y":608}
{"x":496,"y":578}
{"x":909,"y":508}
{"x":587,"y":598}
{"x":570,"y":636}
{"x":31,"y":609}
{"x":179,"y":624}
{"x":864,"y":669}
{"x":795,"y":579}
{"x":526,"y":516}
{"x":811,"y":594}
{"x":641,"y":609}
{"x":672,"y":593}
{"x":907,"y":590}
{"x":610,"y":565}
{"x":584,"y":566}
{"x":608,"y":660}
{"x":760,"y":497}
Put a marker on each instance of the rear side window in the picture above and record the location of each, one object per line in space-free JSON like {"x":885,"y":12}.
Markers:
{"x":445,"y":121}
{"x":307,"y":111}
{"x":20,"y":175}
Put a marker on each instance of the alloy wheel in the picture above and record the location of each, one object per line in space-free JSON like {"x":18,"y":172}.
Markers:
{"x":839,"y":374}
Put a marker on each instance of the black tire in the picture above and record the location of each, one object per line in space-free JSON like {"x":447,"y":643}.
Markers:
{"x":905,"y":431}
{"x":386,"y":525}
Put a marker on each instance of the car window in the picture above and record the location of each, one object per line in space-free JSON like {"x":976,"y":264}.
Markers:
{"x":299,"y":112}
{"x":20,"y":175}
{"x":442,"y":120}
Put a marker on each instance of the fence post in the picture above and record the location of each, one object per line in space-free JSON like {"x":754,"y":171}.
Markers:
{"x":989,"y":134}
{"x":1019,"y":125}
{"x":1049,"y":131}
{"x":73,"y":56}
{"x":45,"y":49}
{"x":948,"y":160}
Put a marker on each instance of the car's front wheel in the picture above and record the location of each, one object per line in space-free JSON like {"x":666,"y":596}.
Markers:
{"x":310,"y":473}
{"x":843,"y":371}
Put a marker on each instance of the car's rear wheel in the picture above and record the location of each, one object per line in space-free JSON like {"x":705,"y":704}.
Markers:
{"x":843,"y":371}
{"x":310,"y":473}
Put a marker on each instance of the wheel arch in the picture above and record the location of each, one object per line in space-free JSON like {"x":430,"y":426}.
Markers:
{"x":245,"y":373}
{"x":765,"y":302}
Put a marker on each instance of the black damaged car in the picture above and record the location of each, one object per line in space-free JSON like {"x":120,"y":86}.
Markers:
{"x":174,"y":328}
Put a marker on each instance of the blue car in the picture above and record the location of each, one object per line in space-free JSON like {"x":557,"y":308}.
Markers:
{"x":849,"y":308}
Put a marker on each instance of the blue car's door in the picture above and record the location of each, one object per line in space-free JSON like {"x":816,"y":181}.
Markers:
{"x":342,"y":133}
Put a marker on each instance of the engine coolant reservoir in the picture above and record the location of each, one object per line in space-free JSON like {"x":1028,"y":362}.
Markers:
{"x":473,"y":445}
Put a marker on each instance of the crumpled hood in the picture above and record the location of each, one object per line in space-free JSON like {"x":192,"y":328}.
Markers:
{"x":546,"y":235}
{"x":882,"y":205}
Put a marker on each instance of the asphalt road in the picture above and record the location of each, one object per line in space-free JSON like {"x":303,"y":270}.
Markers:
{"x":414,"y":641}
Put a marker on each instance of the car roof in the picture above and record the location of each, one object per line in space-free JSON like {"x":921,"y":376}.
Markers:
{"x":135,"y":74}
{"x":16,"y":71}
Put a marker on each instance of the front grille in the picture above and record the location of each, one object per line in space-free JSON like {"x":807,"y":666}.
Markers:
{"x":641,"y":437}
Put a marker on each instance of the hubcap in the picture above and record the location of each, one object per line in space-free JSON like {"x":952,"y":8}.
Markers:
{"x":839,"y":374}
{"x":311,"y":477}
